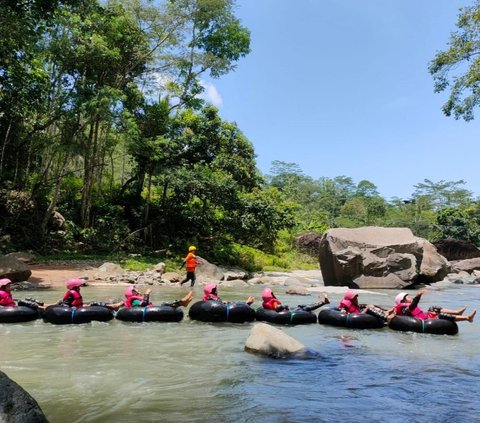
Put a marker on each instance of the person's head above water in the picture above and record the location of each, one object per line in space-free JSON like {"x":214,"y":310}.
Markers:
{"x":210,"y":288}
{"x":75,"y":283}
{"x":130,"y":291}
{"x":267,"y":294}
{"x":351,"y":295}
{"x":400,"y":298}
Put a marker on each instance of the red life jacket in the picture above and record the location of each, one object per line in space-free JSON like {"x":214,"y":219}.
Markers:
{"x":349,"y":306}
{"x":73,"y":298}
{"x":271,"y":304}
{"x":6,"y":299}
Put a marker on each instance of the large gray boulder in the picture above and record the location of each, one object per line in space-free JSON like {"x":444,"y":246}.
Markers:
{"x":377,"y":257}
{"x":206,"y":271}
{"x":14,"y":269}
{"x":267,"y":340}
{"x":468,"y":265}
{"x":16,"y":404}
{"x":111,"y":268}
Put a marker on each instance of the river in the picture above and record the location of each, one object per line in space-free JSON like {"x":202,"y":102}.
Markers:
{"x":198,"y":372}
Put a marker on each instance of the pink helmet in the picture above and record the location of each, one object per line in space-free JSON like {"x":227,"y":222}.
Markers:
{"x":73,"y":283}
{"x":4,"y":282}
{"x":400,"y":297}
{"x":129,"y":290}
{"x":209,"y":288}
{"x":350,"y":294}
{"x":267,"y":294}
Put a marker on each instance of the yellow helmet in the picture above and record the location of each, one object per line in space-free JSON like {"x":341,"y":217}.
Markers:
{"x":192,"y":248}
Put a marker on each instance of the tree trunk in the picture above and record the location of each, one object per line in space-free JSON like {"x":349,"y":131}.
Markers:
{"x":4,"y":146}
{"x":88,"y":177}
{"x":56,"y":194}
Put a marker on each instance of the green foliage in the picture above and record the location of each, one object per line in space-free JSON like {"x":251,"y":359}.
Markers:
{"x":461,"y":224}
{"x":458,"y":67}
{"x":282,"y":259}
{"x":144,"y":263}
{"x":101,"y":120}
{"x":416,"y":216}
{"x":438,"y":195}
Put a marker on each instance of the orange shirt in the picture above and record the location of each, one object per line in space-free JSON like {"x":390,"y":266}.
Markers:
{"x":191,"y":262}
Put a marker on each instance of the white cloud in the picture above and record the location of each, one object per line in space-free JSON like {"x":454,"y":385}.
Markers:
{"x":211,"y":94}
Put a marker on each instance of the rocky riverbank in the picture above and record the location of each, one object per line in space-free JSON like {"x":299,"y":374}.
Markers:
{"x":54,"y":274}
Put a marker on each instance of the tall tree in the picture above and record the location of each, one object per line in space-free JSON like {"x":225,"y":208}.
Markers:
{"x":442,"y":194}
{"x":458,"y":67}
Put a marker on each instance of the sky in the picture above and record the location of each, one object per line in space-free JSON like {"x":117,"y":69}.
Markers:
{"x":341,"y":87}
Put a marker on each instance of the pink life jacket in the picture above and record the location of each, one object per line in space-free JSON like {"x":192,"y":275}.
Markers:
{"x":349,"y":306}
{"x":417,"y":312}
{"x":73,"y":298}
{"x":6,"y":299}
{"x":209,"y":295}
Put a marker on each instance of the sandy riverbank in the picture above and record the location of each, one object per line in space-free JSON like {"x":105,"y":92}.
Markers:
{"x":56,"y":274}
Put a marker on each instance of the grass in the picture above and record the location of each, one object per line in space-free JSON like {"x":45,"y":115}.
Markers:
{"x":233,"y":255}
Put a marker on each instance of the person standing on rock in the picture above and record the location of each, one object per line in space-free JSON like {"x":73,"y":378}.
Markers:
{"x":191,"y":262}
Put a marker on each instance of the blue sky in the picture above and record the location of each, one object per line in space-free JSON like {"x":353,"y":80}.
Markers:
{"x":341,"y":87}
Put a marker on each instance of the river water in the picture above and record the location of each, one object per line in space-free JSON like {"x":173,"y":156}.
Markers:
{"x":198,"y":372}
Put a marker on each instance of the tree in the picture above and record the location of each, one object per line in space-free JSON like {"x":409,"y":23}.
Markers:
{"x":438,"y":195}
{"x":205,"y":37}
{"x":458,"y":67}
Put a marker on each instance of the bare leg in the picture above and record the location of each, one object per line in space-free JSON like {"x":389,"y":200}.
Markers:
{"x":469,"y":317}
{"x":187,"y":299}
{"x":115,"y":306}
{"x":458,"y":312}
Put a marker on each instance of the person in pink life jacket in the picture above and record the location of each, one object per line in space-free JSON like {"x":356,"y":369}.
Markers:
{"x":134,"y":298}
{"x":73,"y":297}
{"x":408,"y":306}
{"x":270,"y":302}
{"x":6,"y":299}
{"x":211,"y":294}
{"x":350,"y":305}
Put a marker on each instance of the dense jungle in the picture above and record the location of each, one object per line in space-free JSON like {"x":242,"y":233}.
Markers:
{"x":107,"y":146}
